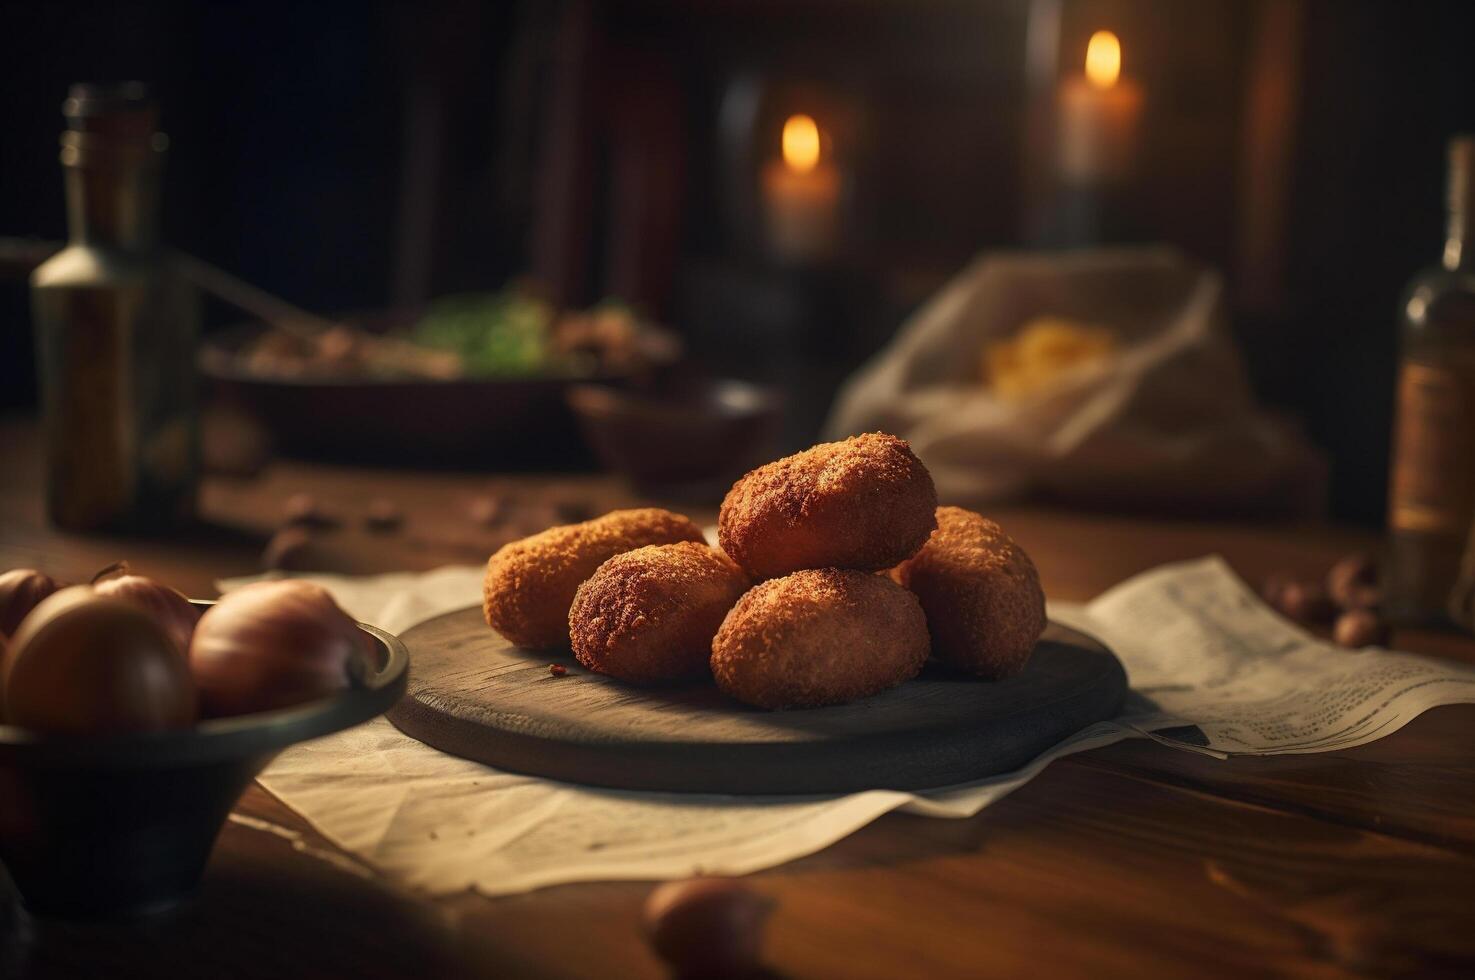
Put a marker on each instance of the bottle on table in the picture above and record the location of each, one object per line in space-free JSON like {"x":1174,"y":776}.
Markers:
{"x":115,"y":329}
{"x":1432,"y":486}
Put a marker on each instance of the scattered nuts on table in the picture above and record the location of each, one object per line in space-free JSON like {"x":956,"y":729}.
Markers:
{"x":558,"y":670}
{"x":1272,"y":590}
{"x":303,"y":510}
{"x":1363,"y":597}
{"x":1306,"y":602}
{"x":1352,"y":582}
{"x":707,"y":927}
{"x":383,"y":516}
{"x":288,"y":550}
{"x":1360,"y":628}
{"x":486,"y":511}
{"x":1348,"y":598}
{"x":232,"y":444}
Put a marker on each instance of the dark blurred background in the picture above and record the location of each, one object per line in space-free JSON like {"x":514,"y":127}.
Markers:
{"x":364,"y":156}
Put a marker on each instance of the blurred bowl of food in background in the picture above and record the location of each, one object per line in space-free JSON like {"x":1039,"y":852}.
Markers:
{"x":474,"y":380}
{"x":689,"y":439}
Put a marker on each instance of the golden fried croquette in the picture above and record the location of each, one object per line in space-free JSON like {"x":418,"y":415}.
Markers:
{"x":649,"y":615}
{"x":985,"y":608}
{"x":819,"y":636}
{"x":864,"y":503}
{"x":530,"y":583}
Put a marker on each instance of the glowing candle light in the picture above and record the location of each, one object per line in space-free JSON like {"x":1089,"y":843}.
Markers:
{"x":1103,"y":59}
{"x":1099,"y":113}
{"x":801,"y":143}
{"x":801,"y":194}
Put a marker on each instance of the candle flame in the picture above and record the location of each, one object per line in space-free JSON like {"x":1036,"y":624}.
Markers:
{"x":1103,"y":59}
{"x":801,"y":143}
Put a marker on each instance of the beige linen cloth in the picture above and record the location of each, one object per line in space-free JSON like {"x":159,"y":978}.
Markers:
{"x":1168,"y":421}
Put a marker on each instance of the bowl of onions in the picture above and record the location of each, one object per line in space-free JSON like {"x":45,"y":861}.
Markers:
{"x":132,"y":719}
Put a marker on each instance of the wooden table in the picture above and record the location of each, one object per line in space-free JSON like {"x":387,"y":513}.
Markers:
{"x":1133,"y":860}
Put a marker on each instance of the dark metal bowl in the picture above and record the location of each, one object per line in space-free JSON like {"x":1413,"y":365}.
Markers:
{"x":123,"y":825}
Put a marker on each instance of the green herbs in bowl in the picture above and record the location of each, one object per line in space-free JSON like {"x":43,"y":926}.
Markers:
{"x":503,"y":334}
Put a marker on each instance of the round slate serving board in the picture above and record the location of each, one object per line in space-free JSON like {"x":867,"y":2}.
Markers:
{"x":475,"y":695}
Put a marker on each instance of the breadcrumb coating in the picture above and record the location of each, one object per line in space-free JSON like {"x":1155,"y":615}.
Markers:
{"x":818,"y":637}
{"x":530,"y":584}
{"x":864,"y":503}
{"x":649,"y":615}
{"x":985,"y":608}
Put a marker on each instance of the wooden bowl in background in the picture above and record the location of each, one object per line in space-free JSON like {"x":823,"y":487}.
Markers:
{"x":515,"y":423}
{"x":689,"y":442}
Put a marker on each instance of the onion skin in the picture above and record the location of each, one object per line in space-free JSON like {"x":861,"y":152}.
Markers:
{"x":21,"y":589}
{"x":84,"y":664}
{"x":275,"y":644}
{"x":168,"y":607}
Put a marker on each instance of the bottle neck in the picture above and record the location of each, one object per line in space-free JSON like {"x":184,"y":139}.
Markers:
{"x":1459,"y":253}
{"x":1459,"y":198}
{"x":112,"y":192}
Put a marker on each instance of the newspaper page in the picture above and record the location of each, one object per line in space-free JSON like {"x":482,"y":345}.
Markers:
{"x":1201,"y":645}
{"x":1213,"y":670}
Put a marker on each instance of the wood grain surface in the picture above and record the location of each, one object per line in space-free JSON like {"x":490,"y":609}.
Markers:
{"x":477,"y":696}
{"x":1129,"y":861}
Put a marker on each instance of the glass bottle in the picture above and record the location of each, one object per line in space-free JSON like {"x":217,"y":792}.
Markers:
{"x":115,"y":329}
{"x":1432,"y":486}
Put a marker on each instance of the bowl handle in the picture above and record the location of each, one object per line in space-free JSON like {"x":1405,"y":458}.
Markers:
{"x":395,"y":659}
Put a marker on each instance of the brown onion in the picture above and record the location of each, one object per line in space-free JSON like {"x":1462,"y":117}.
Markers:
{"x":707,"y":927}
{"x":169,"y":607}
{"x":274,"y":644}
{"x":84,"y":664}
{"x":20,"y":590}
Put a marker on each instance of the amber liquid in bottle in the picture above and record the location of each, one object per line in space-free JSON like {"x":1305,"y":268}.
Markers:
{"x":1432,"y":487}
{"x":115,"y":330}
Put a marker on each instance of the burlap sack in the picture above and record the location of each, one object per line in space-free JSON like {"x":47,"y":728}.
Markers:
{"x":1168,"y":420}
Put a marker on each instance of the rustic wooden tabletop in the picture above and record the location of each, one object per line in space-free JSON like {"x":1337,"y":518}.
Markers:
{"x":1132,"y":860}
